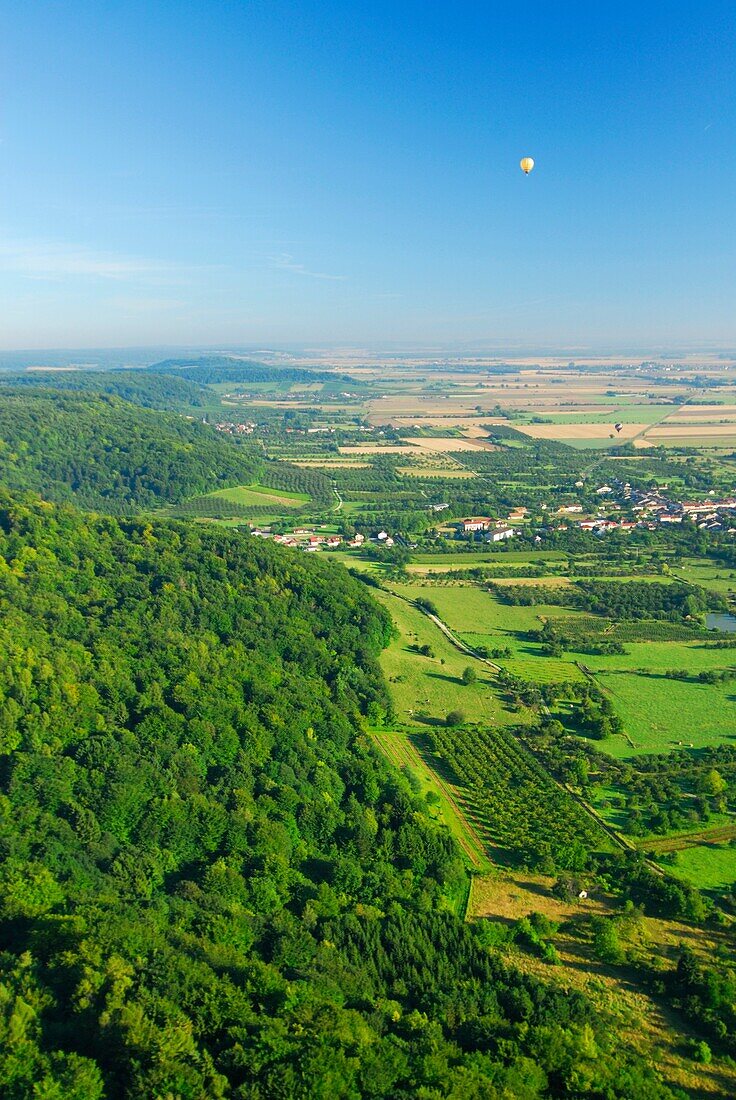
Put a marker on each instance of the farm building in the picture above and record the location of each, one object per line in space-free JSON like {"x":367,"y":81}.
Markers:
{"x":499,"y":534}
{"x":475,"y":523}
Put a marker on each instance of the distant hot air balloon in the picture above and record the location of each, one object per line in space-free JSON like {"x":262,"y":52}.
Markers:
{"x":526,"y":164}
{"x":618,"y":426}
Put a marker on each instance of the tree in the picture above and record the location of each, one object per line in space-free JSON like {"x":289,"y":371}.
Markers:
{"x":455,"y":718}
{"x":469,"y":675}
{"x":701,"y":1052}
{"x":712,"y":783}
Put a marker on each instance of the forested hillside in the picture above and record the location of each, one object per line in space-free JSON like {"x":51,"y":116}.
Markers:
{"x":106,"y":454}
{"x":211,"y":885}
{"x":152,"y":391}
{"x":210,"y":370}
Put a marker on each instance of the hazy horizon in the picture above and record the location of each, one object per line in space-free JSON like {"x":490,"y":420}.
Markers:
{"x":141,"y":355}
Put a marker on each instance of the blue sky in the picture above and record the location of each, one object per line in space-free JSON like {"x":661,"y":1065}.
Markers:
{"x":345,"y":173}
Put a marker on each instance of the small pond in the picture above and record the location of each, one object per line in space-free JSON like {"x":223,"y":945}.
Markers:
{"x":721,"y":621}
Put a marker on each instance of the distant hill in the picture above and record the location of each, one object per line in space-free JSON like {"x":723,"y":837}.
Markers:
{"x":139,"y":387}
{"x":220,"y":368}
{"x":106,"y":454}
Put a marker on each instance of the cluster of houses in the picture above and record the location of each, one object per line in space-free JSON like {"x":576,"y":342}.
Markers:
{"x":309,"y":539}
{"x":652,"y":508}
{"x":649,"y":509}
{"x":231,"y":428}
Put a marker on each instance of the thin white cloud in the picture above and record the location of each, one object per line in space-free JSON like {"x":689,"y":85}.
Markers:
{"x":285,"y":262}
{"x":54,"y":260}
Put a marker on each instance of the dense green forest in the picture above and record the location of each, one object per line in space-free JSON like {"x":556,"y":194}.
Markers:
{"x":138,"y":387}
{"x":106,"y":454}
{"x":210,"y":370}
{"x":211,"y":885}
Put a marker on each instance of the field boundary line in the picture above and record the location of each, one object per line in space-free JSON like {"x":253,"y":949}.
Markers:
{"x":398,"y":748}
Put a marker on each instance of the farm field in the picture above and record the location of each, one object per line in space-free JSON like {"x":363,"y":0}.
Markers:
{"x":463,"y":560}
{"x":527,"y":660}
{"x":258,"y":495}
{"x":497,"y":779}
{"x":480,"y":619}
{"x":657,"y":657}
{"x":682,"y":430}
{"x":626,"y":414}
{"x":716,"y":577}
{"x":435,"y":471}
{"x":587,"y":432}
{"x":424,"y":689}
{"x":469,"y":608}
{"x":708,"y":866}
{"x":659,"y":714}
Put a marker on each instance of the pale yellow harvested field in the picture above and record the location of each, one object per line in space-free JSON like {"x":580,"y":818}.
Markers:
{"x":579,"y":431}
{"x":711,"y":441}
{"x":420,"y":445}
{"x":445,"y":444}
{"x":471,"y":426}
{"x":686,"y":431}
{"x":700,"y":421}
{"x":708,"y":412}
{"x":480,"y":428}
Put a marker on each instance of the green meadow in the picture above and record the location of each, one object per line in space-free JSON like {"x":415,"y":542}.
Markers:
{"x":707,"y":866}
{"x":258,"y":495}
{"x":625,"y":414}
{"x":481,"y":619}
{"x":424,"y":689}
{"x":719,"y":578}
{"x":660,"y":715}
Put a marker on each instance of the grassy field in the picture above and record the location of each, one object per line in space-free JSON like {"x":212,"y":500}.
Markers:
{"x":425,"y":689}
{"x":657,"y":657}
{"x":718,"y":578}
{"x":595,"y":434}
{"x":708,"y":866}
{"x":481,"y":619}
{"x":527,"y":660}
{"x":471,"y":609}
{"x":660,"y":715}
{"x":259,"y":495}
{"x":628,"y":413}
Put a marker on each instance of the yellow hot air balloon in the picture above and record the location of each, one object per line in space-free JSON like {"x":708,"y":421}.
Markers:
{"x":526,"y":164}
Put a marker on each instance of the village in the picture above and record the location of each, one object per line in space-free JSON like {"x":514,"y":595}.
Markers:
{"x":622,"y":508}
